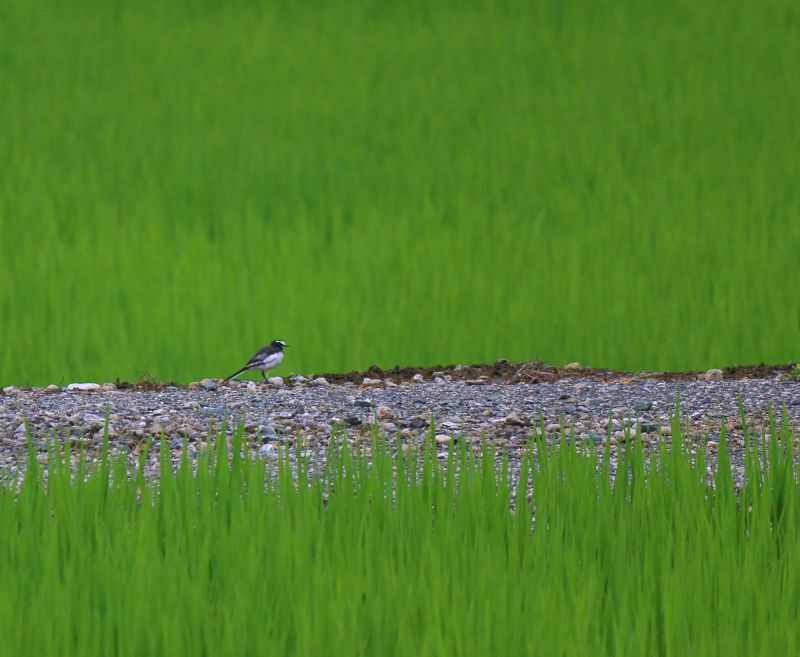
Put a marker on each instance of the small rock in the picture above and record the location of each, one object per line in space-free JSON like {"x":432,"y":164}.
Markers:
{"x":252,"y":387}
{"x":209,"y":384}
{"x":442,"y":439}
{"x":418,"y":421}
{"x":352,"y":420}
{"x":648,"y":427}
{"x":108,"y":387}
{"x":642,"y":405}
{"x":384,"y":412}
{"x":213,"y":411}
{"x":371,"y":382}
{"x":275,"y":380}
{"x":570,"y":409}
{"x":320,"y":381}
{"x":84,"y":387}
{"x":595,"y":437}
{"x":42,"y":457}
{"x":439,"y":381}
{"x":572,"y":366}
{"x":514,"y":420}
{"x":94,"y":419}
{"x":553,"y":428}
{"x":268,"y":450}
{"x":52,"y":388}
{"x":713,"y":375}
{"x":418,"y":378}
{"x":712,"y":445}
{"x":363,"y":403}
{"x":268,"y":433}
{"x":10,"y":389}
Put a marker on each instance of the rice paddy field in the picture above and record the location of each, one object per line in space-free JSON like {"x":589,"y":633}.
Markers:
{"x":413,"y":555}
{"x":399,"y":183}
{"x":391,"y":183}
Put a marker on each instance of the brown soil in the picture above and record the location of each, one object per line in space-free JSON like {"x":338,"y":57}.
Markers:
{"x":510,"y":372}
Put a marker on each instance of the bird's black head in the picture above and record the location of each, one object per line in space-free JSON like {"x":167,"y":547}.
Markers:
{"x":279,"y":344}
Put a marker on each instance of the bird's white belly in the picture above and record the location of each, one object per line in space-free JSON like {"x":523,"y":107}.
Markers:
{"x":270,"y":362}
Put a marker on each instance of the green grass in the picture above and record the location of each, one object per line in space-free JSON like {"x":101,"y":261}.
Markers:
{"x":237,"y":561}
{"x":396,"y":183}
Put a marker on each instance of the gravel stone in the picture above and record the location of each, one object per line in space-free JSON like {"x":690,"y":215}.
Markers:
{"x":384,"y":413}
{"x":83,"y":387}
{"x":303,"y":415}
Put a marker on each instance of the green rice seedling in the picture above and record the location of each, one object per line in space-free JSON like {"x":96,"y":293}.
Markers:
{"x":421,"y":551}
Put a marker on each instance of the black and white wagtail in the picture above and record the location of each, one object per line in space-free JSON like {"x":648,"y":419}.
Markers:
{"x":265,"y":359}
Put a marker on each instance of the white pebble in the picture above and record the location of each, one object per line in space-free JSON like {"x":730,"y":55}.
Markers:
{"x":85,"y":387}
{"x":268,"y":450}
{"x":275,"y":381}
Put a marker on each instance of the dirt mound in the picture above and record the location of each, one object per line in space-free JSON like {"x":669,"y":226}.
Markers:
{"x":511,"y":372}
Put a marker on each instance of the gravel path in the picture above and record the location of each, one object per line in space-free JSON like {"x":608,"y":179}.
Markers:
{"x":301,"y":411}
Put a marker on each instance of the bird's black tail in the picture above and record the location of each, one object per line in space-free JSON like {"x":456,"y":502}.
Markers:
{"x":235,"y":374}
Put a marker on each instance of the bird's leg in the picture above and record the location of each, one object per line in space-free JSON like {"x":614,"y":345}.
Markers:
{"x":263,"y":375}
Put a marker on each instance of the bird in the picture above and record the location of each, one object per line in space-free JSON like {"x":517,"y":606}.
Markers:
{"x":265,"y":359}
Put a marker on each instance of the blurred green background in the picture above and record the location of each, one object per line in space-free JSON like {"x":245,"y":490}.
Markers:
{"x":396,"y":183}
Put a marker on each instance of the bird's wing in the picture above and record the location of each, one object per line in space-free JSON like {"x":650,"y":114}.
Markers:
{"x":261,"y":355}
